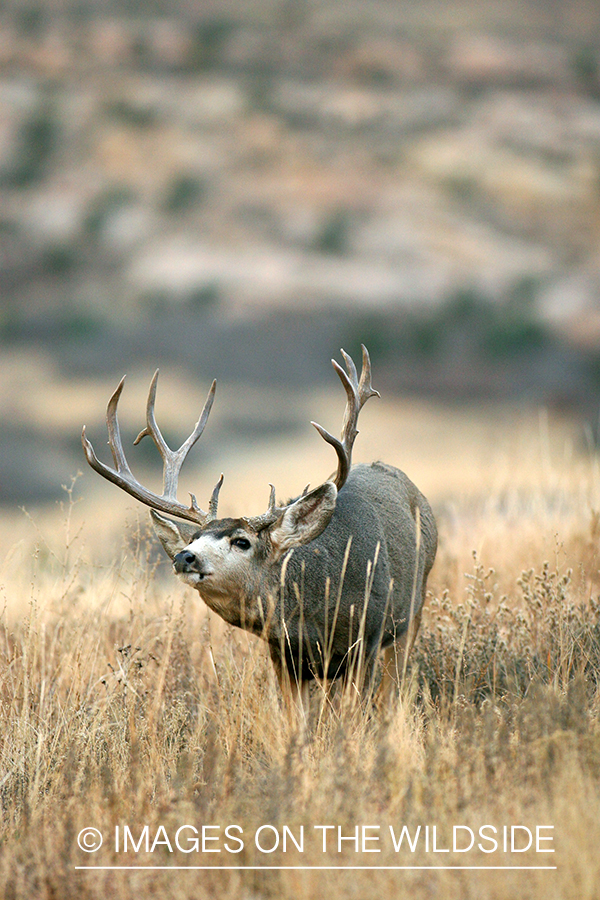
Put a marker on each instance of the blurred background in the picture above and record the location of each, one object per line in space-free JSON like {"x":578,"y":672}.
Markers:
{"x":238,"y":189}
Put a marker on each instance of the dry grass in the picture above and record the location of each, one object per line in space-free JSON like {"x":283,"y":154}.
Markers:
{"x":123,"y":703}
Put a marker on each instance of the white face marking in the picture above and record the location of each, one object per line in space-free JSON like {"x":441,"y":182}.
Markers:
{"x":209,"y":551}
{"x":223,"y":567}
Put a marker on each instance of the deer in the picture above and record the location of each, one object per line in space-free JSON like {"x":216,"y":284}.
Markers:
{"x":328,"y":579}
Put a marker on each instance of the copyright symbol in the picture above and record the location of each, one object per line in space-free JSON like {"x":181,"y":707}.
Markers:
{"x":89,"y":839}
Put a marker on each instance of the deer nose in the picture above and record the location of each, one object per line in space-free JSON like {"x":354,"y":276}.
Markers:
{"x":185,"y":561}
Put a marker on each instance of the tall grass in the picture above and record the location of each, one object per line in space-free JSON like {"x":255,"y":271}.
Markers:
{"x":123,"y":702}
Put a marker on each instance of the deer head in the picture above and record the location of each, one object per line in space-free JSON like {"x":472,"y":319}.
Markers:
{"x":224,"y":557}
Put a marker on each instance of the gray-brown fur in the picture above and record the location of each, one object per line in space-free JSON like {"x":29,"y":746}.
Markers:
{"x":375,"y":516}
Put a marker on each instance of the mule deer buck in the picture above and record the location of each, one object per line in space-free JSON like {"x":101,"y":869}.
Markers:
{"x":327,"y":579}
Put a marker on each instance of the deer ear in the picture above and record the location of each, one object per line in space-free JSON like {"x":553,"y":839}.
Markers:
{"x":174,"y":536}
{"x":304,"y":520}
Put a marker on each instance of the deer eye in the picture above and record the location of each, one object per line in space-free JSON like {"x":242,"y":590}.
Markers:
{"x":241,"y":543}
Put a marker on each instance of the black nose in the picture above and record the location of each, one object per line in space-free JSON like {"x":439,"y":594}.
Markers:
{"x":185,"y":561}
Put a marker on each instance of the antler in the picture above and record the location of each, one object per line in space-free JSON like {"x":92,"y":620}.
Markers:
{"x":273,"y":512}
{"x":173,"y":460}
{"x":358,"y":392}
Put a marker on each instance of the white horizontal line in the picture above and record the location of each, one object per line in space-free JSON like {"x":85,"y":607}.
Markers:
{"x":312,"y":868}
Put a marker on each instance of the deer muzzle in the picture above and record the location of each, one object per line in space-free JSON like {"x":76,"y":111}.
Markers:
{"x":187,"y":563}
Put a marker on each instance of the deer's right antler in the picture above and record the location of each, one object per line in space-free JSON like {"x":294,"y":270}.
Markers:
{"x":358,"y":392}
{"x":173,"y":460}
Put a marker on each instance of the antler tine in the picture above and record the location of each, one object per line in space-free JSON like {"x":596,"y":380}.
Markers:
{"x":122,"y":476}
{"x":357,"y":392}
{"x":366,"y":389}
{"x":213,"y":503}
{"x":352,"y":373}
{"x":172,"y":459}
{"x":257,"y":523}
{"x":152,"y":428}
{"x":114,"y":432}
{"x":122,"y":470}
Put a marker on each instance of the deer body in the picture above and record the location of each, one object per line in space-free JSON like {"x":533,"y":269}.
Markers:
{"x":328,"y":579}
{"x":345,"y":613}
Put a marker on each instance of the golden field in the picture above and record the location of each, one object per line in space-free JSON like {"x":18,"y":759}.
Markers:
{"x":124,"y":703}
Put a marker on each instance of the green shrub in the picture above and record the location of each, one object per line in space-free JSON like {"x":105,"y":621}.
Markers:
{"x":105,"y":205}
{"x":36,"y":141}
{"x":334,"y":234}
{"x":184,"y":192}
